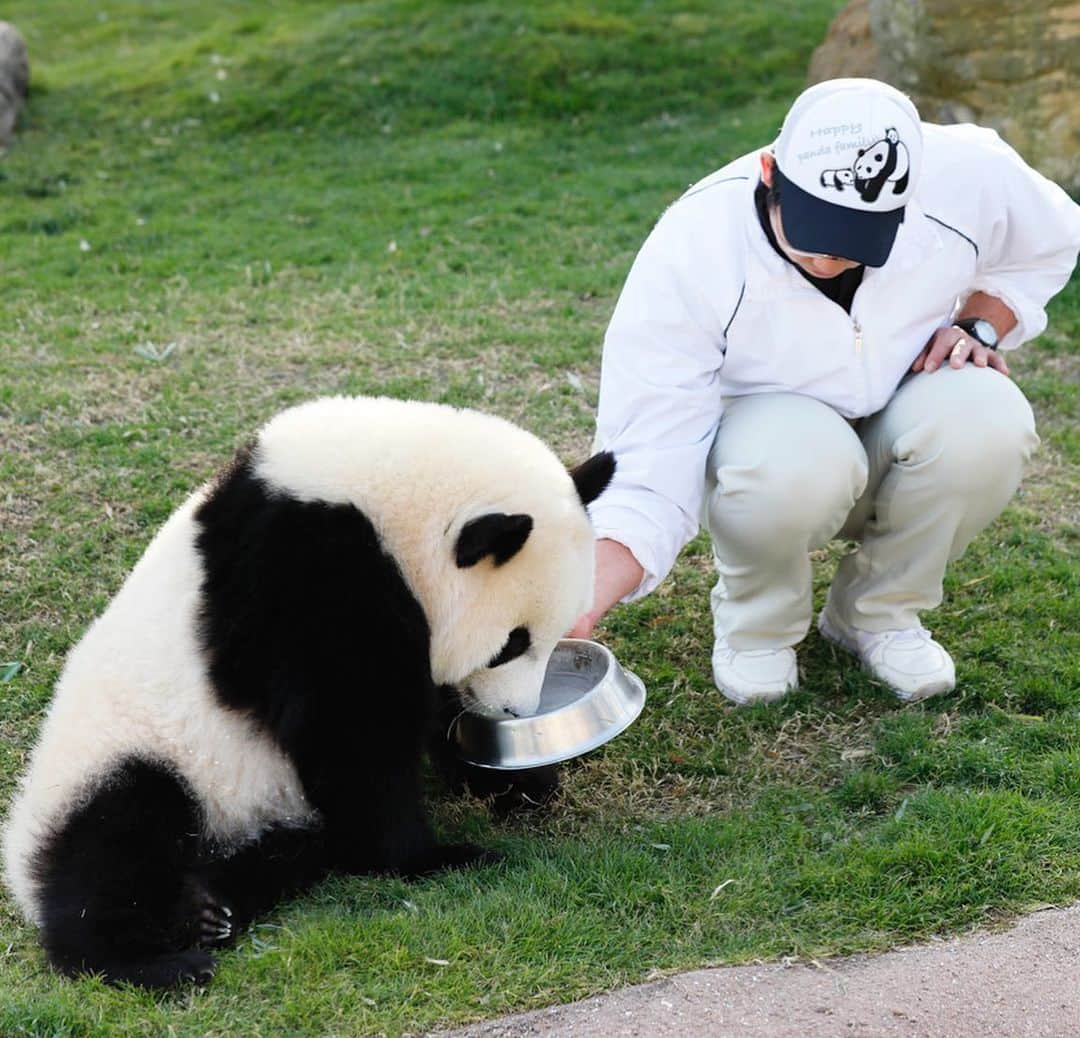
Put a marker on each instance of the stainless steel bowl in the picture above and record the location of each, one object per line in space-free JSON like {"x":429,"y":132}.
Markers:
{"x":587,"y":699}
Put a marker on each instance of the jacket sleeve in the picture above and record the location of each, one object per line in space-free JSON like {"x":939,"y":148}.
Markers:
{"x":660,"y":399}
{"x":1028,"y":237}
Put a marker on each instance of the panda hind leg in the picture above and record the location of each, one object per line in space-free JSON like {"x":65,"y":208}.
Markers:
{"x":117,"y":886}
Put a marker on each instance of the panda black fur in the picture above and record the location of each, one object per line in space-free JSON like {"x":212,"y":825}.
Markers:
{"x":252,"y":709}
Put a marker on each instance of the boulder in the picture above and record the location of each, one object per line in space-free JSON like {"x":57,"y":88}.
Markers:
{"x":1012,"y":66}
{"x":849,"y":48}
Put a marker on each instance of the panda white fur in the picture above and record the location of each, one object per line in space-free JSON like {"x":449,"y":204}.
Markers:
{"x":252,"y":708}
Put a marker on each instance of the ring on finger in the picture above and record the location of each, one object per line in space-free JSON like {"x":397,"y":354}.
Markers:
{"x":959,"y":344}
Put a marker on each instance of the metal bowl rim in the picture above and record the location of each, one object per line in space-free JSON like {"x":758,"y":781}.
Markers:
{"x":634,"y":699}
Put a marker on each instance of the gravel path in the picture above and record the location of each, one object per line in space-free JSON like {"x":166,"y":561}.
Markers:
{"x":1020,"y":983}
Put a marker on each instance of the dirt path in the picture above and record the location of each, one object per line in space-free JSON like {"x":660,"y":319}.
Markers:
{"x":1019,"y":983}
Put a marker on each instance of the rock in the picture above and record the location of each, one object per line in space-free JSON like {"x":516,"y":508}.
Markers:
{"x":849,"y":48}
{"x":1000,"y":63}
{"x":14,"y":78}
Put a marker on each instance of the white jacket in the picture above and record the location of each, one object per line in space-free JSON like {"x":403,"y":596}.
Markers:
{"x":710,"y":310}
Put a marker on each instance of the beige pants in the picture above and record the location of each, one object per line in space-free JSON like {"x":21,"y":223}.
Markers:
{"x":913,"y":484}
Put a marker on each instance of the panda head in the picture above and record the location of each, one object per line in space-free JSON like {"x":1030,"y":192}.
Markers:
{"x":486,"y":525}
{"x":528,"y":577}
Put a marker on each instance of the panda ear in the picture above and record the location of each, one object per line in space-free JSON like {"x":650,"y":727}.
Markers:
{"x":496,"y":534}
{"x":592,"y":477}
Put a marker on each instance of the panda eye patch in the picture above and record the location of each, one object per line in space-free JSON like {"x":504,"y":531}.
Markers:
{"x":517,"y":643}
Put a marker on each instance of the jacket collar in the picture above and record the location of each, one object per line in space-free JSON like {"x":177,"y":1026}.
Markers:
{"x":917,"y":238}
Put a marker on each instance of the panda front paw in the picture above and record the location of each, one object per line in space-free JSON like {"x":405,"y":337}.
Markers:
{"x":451,"y":856}
{"x":204,"y":919}
{"x":465,"y":855}
{"x":215,"y":924}
{"x":510,"y":792}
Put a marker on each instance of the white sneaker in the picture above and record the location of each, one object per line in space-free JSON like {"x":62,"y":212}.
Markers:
{"x":753,"y":675}
{"x":910,"y":662}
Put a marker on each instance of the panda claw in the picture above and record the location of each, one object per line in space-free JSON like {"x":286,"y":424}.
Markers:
{"x":199,"y":970}
{"x":216,"y":935}
{"x":215,"y":924}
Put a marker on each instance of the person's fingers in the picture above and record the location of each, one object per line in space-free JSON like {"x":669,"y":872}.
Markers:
{"x":941,"y":346}
{"x":954,"y":345}
{"x":960,"y":351}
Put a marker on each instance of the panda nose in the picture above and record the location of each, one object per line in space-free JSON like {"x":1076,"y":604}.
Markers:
{"x":510,"y":713}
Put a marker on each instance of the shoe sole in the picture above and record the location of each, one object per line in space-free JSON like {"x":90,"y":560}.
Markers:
{"x":762,"y":697}
{"x":831,"y":634}
{"x":741,"y":699}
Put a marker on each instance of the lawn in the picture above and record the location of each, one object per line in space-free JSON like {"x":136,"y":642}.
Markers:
{"x":217,"y":209}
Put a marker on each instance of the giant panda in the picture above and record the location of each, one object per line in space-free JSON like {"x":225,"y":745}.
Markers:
{"x":251,"y":709}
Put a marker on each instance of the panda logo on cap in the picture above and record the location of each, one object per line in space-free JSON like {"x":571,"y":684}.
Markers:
{"x":884,"y":162}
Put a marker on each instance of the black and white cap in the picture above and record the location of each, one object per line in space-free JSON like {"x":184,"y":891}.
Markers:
{"x":848,"y":159}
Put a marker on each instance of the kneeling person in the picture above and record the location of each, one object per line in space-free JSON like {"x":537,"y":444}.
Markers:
{"x":809,"y":344}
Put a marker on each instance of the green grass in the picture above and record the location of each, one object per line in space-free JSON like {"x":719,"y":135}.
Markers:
{"x":441,"y":201}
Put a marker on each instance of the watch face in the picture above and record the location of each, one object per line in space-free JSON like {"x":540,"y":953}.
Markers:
{"x":984,"y":331}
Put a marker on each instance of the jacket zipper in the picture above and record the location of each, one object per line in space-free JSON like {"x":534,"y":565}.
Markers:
{"x":860,"y":362}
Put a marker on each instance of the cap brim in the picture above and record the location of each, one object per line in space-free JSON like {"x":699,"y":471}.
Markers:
{"x":812,"y":225}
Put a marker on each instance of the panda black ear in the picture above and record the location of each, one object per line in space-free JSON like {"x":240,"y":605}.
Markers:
{"x":496,"y":534}
{"x":592,"y":477}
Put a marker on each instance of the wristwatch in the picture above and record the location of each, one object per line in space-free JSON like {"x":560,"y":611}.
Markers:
{"x":981,"y":329}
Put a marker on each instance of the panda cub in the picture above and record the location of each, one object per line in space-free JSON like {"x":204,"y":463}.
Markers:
{"x":252,"y":708}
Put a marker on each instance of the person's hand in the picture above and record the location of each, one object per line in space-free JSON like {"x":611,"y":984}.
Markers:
{"x":955,"y":345}
{"x":617,"y":574}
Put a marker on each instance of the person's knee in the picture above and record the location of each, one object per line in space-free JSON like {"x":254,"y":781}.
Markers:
{"x":796,"y":493}
{"x":982,"y":432}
